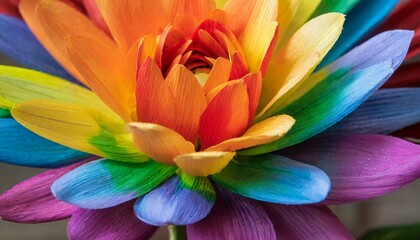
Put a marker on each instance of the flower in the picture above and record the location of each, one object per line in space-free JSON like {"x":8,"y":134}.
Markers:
{"x":187,"y":101}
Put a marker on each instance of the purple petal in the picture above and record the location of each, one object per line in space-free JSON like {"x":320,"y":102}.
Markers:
{"x":384,"y":112}
{"x":116,"y":223}
{"x":31,"y":201}
{"x":182,"y":200}
{"x":19,"y":43}
{"x":233,"y":217}
{"x":306,"y":222}
{"x":361,"y":166}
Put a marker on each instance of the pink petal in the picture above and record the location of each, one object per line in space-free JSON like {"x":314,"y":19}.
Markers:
{"x":361,"y":166}
{"x":233,"y":217}
{"x":31,"y":201}
{"x":116,"y":223}
{"x":306,"y":222}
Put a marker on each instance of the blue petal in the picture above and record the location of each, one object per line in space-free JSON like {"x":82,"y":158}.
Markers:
{"x":182,"y":200}
{"x":20,"y":146}
{"x":360,"y":20}
{"x":338,"y":89}
{"x":106,"y":183}
{"x":386,"y":111}
{"x":276,"y":179}
{"x":18,"y":43}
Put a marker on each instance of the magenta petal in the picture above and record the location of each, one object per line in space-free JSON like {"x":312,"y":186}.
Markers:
{"x":361,"y":166}
{"x":31,"y":201}
{"x":233,"y":217}
{"x":306,"y":222}
{"x":115,"y":223}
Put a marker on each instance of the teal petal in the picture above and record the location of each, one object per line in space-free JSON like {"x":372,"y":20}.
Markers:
{"x":359,"y":21}
{"x":386,"y":111}
{"x":276,"y":179}
{"x":327,"y":6}
{"x":105,"y":183}
{"x":20,"y":146}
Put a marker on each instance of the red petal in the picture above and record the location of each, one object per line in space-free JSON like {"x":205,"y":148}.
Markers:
{"x":226,"y":116}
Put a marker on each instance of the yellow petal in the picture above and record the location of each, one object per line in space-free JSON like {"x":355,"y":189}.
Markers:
{"x":263,"y":132}
{"x":20,"y":84}
{"x":254,"y":22}
{"x":160,"y":143}
{"x":78,"y":127}
{"x":292,"y":15}
{"x":130,"y":20}
{"x":203,"y":163}
{"x":297,"y":59}
{"x":105,"y":72}
{"x":220,"y":3}
{"x":28,"y":11}
{"x":286,"y":11}
{"x":241,"y":13}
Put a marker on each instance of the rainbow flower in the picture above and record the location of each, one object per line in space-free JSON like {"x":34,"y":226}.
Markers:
{"x":214,"y":115}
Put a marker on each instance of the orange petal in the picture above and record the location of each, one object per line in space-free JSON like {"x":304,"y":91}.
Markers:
{"x":28,"y":11}
{"x":104,"y":72}
{"x":189,"y":101}
{"x":217,"y":15}
{"x":253,"y":83}
{"x":226,"y":116}
{"x":185,"y":23}
{"x":203,"y":163}
{"x":155,"y":103}
{"x":219,"y":74}
{"x":239,"y":66}
{"x":263,"y":132}
{"x":146,"y":49}
{"x":130,"y":20}
{"x":94,"y":14}
{"x":160,"y":143}
{"x":198,"y":9}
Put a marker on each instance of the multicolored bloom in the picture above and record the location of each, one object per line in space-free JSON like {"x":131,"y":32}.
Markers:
{"x":184,"y":105}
